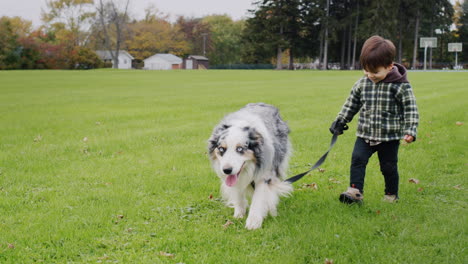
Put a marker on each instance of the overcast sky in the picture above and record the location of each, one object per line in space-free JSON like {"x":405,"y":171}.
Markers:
{"x":237,"y":9}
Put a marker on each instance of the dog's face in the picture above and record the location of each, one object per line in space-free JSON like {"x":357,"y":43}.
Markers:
{"x":232,"y":149}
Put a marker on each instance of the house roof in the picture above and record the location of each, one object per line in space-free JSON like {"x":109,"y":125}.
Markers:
{"x":106,"y":55}
{"x":173,"y":59}
{"x":197,"y":57}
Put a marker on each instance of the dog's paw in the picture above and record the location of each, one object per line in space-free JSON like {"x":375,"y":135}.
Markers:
{"x":273,"y":212}
{"x":239,"y":213}
{"x":253,"y":222}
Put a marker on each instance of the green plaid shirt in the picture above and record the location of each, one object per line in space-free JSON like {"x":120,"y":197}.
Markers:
{"x":388,"y":111}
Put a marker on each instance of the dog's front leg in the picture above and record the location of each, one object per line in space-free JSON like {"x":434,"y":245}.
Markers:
{"x":235,"y":198}
{"x":240,"y":206}
{"x":259,"y":207}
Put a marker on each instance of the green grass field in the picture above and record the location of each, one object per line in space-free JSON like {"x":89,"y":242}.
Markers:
{"x":111,"y":167}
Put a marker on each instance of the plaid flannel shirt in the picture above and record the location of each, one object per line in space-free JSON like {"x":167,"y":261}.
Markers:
{"x":388,"y":111}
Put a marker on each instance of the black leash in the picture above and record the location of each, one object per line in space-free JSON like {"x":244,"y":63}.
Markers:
{"x":318,"y":163}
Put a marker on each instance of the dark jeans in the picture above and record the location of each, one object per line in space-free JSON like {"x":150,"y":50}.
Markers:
{"x":388,"y":157}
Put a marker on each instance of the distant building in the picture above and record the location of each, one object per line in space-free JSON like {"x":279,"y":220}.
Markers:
{"x":125,"y":59}
{"x":196,"y":62}
{"x":162,"y":61}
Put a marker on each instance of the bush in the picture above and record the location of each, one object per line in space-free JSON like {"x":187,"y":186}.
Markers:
{"x":84,"y":58}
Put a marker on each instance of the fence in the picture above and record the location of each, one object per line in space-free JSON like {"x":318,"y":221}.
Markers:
{"x":242,"y":66}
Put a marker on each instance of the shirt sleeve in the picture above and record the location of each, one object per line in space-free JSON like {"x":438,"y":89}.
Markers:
{"x":352,"y":104}
{"x":410,"y":111}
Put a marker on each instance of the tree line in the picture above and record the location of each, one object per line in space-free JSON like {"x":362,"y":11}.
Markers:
{"x":279,"y":32}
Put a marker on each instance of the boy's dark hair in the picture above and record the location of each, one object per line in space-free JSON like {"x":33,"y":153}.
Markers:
{"x":377,"y":52}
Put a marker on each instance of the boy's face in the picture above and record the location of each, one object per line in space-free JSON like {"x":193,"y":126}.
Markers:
{"x":379,"y":74}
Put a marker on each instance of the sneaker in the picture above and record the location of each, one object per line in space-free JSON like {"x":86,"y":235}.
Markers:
{"x":352,"y":195}
{"x":390,"y":198}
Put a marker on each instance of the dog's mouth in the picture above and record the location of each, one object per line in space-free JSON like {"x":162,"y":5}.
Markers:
{"x":231,"y":179}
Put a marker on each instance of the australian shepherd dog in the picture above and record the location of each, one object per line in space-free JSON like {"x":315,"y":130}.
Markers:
{"x":249,"y":150}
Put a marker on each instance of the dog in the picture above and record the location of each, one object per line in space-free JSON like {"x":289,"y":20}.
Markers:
{"x":249,"y":150}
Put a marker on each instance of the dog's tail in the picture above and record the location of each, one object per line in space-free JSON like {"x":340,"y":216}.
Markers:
{"x":281,"y":188}
{"x":277,"y":188}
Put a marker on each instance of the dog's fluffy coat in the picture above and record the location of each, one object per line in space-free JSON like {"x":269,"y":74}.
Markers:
{"x":249,"y":150}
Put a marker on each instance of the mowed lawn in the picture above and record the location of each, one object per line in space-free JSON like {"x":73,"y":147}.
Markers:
{"x":110,"y":166}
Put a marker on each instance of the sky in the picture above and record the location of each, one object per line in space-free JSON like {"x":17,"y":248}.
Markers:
{"x":236,"y":9}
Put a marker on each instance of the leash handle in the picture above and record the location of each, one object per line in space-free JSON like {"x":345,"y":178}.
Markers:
{"x":318,"y":163}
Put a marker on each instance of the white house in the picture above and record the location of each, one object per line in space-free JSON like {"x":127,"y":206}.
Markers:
{"x":125,"y":59}
{"x":162,"y":61}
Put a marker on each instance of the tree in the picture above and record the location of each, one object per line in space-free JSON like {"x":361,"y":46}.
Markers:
{"x":10,"y":51}
{"x":39,"y":52}
{"x":195,"y":32}
{"x":75,"y":15}
{"x":325,"y":37}
{"x":19,"y":50}
{"x":155,"y":35}
{"x":279,"y":25}
{"x":84,"y":58}
{"x":458,"y":14}
{"x":356,"y":26}
{"x":313,"y":15}
{"x":113,"y":22}
{"x":462,"y":30}
{"x":30,"y":53}
{"x":403,"y":31}
{"x":270,"y":21}
{"x":21,"y":27}
{"x":224,"y":46}
{"x":259,"y":42}
{"x":439,"y":16}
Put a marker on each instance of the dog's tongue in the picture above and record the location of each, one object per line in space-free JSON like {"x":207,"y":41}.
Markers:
{"x":231,"y":180}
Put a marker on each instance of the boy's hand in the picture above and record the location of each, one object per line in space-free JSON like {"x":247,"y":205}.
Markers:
{"x":338,"y":127}
{"x":408,"y":138}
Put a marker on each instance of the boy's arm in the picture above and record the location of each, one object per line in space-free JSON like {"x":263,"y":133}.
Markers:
{"x":410,"y":112}
{"x":352,"y":104}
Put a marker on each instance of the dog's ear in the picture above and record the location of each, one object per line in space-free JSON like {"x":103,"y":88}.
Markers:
{"x":256,"y":144}
{"x":255,"y":139}
{"x":214,"y":139}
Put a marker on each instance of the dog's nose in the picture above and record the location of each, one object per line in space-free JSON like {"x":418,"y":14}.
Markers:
{"x":227,"y":170}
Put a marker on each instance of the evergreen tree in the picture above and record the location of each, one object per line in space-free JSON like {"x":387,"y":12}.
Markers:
{"x":462,"y":31}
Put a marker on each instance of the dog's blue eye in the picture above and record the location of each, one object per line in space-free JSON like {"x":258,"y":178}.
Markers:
{"x":240,"y":149}
{"x":221,"y":149}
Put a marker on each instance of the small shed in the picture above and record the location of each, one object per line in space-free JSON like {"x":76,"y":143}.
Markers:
{"x":125,"y":59}
{"x":196,"y":62}
{"x":162,"y":61}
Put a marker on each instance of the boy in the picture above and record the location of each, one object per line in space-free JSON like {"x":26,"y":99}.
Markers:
{"x":388,"y":113}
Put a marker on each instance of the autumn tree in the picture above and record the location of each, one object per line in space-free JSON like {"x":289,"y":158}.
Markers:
{"x":21,"y":49}
{"x":10,"y":51}
{"x":196,"y":33}
{"x":155,"y":34}
{"x":84,"y":58}
{"x":74,"y":15}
